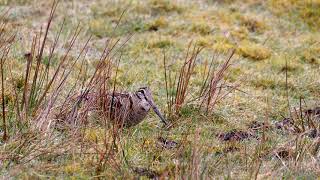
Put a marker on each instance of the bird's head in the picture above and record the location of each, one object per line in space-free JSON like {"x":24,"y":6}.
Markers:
{"x":146,"y":94}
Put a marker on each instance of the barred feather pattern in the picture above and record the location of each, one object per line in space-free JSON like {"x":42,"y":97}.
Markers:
{"x":124,"y":109}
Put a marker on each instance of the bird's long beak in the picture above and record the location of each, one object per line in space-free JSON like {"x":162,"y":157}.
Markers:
{"x":156,"y":110}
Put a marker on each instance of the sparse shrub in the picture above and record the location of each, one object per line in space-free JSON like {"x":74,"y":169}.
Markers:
{"x":253,"y":51}
{"x":177,"y":89}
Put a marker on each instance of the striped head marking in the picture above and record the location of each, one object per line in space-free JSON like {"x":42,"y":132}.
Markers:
{"x":145,"y":93}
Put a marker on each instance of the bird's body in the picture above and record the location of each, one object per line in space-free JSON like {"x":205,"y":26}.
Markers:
{"x":124,"y":109}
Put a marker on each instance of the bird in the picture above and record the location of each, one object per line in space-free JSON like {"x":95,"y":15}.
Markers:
{"x":124,"y":109}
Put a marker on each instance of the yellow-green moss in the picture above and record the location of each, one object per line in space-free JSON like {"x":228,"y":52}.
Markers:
{"x":15,"y":2}
{"x":240,"y":33}
{"x":100,"y":27}
{"x":9,"y":96}
{"x":234,"y":74}
{"x":253,"y":50}
{"x":311,"y":55}
{"x":94,"y":134}
{"x":164,"y":43}
{"x":160,"y":22}
{"x":165,"y":6}
{"x":308,"y":11}
{"x":269,"y":82}
{"x":279,"y":62}
{"x":205,"y":41}
{"x":216,"y":43}
{"x":201,"y":28}
{"x":253,"y":24}
{"x":222,"y":46}
{"x":72,"y":169}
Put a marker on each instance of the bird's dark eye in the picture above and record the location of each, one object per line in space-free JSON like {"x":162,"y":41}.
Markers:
{"x":140,"y":95}
{"x":142,"y":91}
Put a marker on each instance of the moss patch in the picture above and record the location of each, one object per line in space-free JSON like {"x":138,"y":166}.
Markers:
{"x":253,"y":51}
{"x":305,"y":10}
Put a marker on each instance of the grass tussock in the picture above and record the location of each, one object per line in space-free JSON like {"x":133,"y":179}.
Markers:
{"x":252,"y":24}
{"x":253,"y":51}
{"x":211,"y":89}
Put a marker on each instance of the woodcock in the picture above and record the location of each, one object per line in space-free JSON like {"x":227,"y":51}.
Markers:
{"x":126,"y":109}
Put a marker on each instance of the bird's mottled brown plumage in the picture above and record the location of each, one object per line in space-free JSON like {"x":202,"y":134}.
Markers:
{"x":124,"y":109}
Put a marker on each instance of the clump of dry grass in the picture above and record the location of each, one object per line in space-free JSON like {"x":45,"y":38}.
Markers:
{"x":253,"y":51}
{"x":183,"y":81}
{"x":211,"y":91}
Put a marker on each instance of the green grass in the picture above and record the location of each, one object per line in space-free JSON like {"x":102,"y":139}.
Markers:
{"x":271,"y":44}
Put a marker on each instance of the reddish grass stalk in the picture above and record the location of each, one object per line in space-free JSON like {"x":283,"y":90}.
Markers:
{"x":29,"y":57}
{"x":184,"y":77}
{"x":212,"y":93}
{"x":39,"y":56}
{"x":47,"y":88}
{"x":2,"y":61}
{"x":176,"y":101}
{"x":169,"y":105}
{"x":4,"y":123}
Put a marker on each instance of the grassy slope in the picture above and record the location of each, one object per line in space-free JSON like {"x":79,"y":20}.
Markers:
{"x":264,"y":39}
